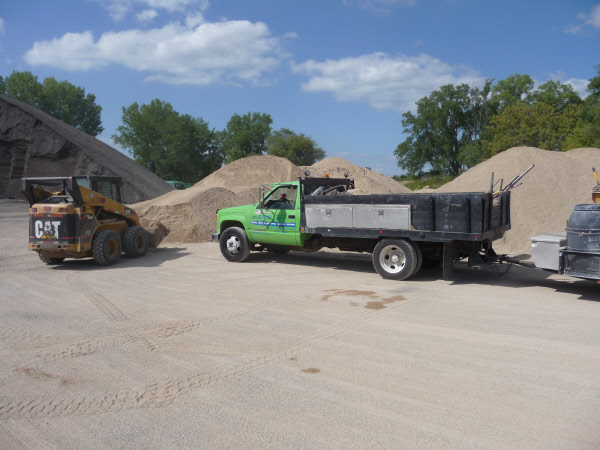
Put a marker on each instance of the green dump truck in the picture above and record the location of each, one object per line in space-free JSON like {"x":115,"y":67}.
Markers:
{"x":400,"y":230}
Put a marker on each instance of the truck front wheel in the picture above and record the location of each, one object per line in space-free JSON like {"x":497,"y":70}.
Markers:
{"x":234,"y":244}
{"x":395,"y":259}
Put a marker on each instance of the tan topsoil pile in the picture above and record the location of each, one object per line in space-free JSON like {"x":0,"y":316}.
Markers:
{"x":544,"y":202}
{"x":190,"y":214}
{"x":541,"y":205}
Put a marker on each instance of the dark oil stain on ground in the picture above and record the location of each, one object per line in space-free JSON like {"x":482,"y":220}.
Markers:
{"x":311,"y":370}
{"x":380,"y":304}
{"x":38,"y":374}
{"x":375,"y":302}
{"x":34,"y":373}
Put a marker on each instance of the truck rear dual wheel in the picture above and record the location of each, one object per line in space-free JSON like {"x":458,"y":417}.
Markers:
{"x":234,"y":244}
{"x":135,"y":242}
{"x":106,"y":247}
{"x":396,"y":259}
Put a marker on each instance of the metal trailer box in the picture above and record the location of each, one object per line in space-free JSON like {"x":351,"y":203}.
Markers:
{"x":545,"y":249}
{"x":381,"y":217}
{"x":335,"y":216}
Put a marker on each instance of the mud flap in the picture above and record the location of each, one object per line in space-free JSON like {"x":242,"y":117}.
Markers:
{"x":447,"y":261}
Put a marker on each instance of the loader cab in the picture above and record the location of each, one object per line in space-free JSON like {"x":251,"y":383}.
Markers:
{"x":110,"y":187}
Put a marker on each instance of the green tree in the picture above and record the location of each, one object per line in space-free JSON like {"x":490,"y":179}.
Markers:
{"x":69,"y":103}
{"x":300,"y":149}
{"x":554,"y":93}
{"x":538,"y":125}
{"x":2,"y":86}
{"x":24,"y":86}
{"x":61,"y":100}
{"x":587,"y":130}
{"x":443,"y":130}
{"x":594,"y":85}
{"x":510,"y":91}
{"x":245,"y":135}
{"x":172,"y":145}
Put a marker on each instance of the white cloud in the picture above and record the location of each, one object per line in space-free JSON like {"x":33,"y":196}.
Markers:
{"x":118,"y":9}
{"x":193,"y":20}
{"x":580,"y":86}
{"x":378,"y":6}
{"x":147,"y":15}
{"x":230,"y":51}
{"x":383,"y":81}
{"x":591,"y":19}
{"x":2,"y":29}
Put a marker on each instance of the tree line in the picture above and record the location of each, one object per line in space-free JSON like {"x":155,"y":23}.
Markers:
{"x":452,"y":129}
{"x":457,"y":127}
{"x":172,"y":145}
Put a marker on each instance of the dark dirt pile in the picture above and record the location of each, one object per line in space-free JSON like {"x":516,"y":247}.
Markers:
{"x":35,"y":144}
{"x":190,"y":214}
{"x":545,"y":200}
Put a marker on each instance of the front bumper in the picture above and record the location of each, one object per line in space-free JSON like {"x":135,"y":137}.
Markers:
{"x":215,"y":237}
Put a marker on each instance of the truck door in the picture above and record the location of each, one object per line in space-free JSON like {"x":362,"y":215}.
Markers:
{"x":278,"y":221}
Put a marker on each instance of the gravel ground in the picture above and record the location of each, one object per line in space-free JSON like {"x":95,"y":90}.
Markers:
{"x":181,"y":349}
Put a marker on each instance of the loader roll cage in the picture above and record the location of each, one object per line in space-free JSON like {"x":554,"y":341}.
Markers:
{"x":69,"y":187}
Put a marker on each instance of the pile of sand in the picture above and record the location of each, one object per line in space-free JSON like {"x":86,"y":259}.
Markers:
{"x":545,"y":200}
{"x":541,"y":205}
{"x":190,"y":214}
{"x":367,"y":181}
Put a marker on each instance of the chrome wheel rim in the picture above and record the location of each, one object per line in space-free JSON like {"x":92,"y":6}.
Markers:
{"x":392,"y":259}
{"x":233,"y":245}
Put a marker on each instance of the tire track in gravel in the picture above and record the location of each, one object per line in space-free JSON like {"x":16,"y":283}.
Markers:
{"x":165,"y":392}
{"x":106,"y":307}
{"x":145,"y":336}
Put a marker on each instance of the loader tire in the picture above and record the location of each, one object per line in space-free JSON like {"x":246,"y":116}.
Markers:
{"x":106,"y":247}
{"x":51,"y":261}
{"x":135,"y":242}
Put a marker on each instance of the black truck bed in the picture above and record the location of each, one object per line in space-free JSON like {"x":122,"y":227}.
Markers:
{"x":465,"y":216}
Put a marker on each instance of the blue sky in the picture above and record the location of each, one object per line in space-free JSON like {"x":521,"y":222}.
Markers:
{"x":341,"y":71}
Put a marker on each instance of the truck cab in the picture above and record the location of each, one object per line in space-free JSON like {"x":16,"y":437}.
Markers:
{"x":274,"y":223}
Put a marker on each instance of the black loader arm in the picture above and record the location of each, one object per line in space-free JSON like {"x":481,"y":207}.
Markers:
{"x":34,"y":192}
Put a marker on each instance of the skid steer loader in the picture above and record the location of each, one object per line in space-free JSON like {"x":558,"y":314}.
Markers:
{"x":81,"y":217}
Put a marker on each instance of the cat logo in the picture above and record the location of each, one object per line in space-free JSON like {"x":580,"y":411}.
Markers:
{"x":47,"y":229}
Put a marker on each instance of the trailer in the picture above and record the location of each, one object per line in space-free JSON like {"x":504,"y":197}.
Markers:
{"x":574,"y":252}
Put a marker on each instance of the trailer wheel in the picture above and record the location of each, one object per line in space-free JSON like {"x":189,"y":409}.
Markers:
{"x":234,"y":244}
{"x":51,"y":261}
{"x":135,"y":242}
{"x":395,"y":259}
{"x":106,"y":247}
